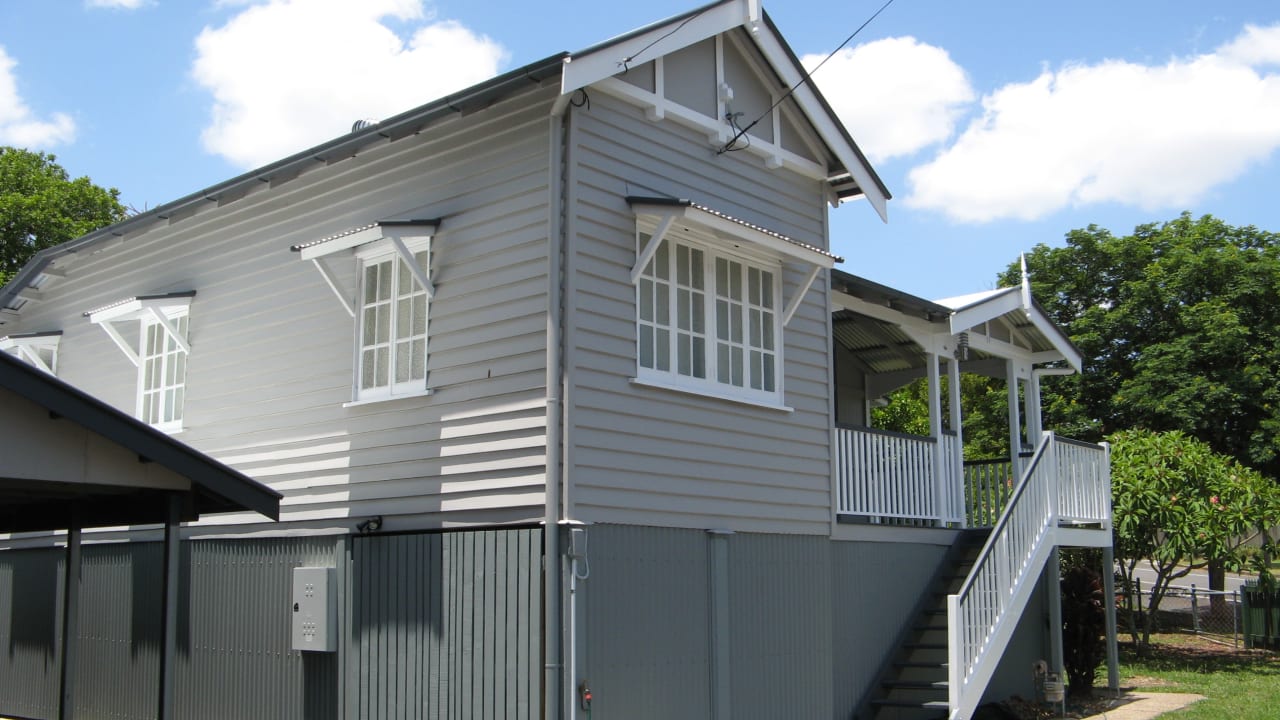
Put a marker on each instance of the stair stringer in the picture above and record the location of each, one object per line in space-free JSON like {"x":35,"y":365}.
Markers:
{"x":967,"y":692}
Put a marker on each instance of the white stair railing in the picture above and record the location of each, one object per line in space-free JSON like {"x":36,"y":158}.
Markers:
{"x":981,"y":617}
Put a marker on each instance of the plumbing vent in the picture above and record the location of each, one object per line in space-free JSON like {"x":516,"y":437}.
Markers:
{"x":359,"y":125}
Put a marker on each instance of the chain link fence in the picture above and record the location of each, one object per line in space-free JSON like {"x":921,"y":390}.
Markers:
{"x":1184,"y":608}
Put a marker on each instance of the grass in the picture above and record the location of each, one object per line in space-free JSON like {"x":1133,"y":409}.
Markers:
{"x":1238,"y":684}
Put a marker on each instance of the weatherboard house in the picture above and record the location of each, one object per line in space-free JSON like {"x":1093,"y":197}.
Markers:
{"x":563,"y":410}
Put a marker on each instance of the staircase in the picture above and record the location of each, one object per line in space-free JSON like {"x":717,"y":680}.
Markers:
{"x":914,"y":684}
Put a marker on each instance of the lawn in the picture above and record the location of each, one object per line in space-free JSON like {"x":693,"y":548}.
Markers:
{"x":1239,"y":684}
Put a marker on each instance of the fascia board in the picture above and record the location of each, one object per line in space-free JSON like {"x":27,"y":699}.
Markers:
{"x":967,"y":318}
{"x":827,"y":126}
{"x":606,"y":60}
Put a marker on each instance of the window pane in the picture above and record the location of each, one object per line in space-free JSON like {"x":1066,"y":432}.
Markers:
{"x":722,"y":276}
{"x":370,"y":283}
{"x":757,"y":367}
{"x":699,"y":276}
{"x":404,"y":316}
{"x":405,"y":280}
{"x":767,"y":329}
{"x":168,"y":405}
{"x":766,"y":289}
{"x":684,"y":355}
{"x":383,"y":333}
{"x":735,"y":357}
{"x":722,"y":362}
{"x":661,"y":262}
{"x":663,"y":299}
{"x":754,"y":337}
{"x":682,"y":309}
{"x":769,"y":373}
{"x":722,"y":320}
{"x":662,"y":353}
{"x":420,"y":315}
{"x":753,"y":286}
{"x":646,"y":347}
{"x":418,"y":370}
{"x":735,"y":281}
{"x":699,"y":313}
{"x":384,"y":280}
{"x":682,"y":265}
{"x":382,"y":362}
{"x":699,"y":357}
{"x":370,"y":326}
{"x":402,"y":362}
{"x":367,"y":363}
{"x":646,"y":299}
{"x":735,"y":324}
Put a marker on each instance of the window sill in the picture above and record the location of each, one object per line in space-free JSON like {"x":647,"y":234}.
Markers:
{"x":727,"y":397}
{"x":389,"y":398}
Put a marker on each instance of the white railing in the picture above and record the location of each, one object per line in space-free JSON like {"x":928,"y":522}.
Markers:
{"x":981,"y":617}
{"x":885,"y":474}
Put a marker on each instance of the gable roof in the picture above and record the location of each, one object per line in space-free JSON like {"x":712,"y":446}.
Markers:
{"x":854,"y":176}
{"x":100,"y":491}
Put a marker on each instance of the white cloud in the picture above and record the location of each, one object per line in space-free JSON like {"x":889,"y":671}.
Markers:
{"x":116,"y":4}
{"x":1156,"y":137}
{"x":896,"y":96}
{"x":18,"y":125}
{"x":288,"y":74}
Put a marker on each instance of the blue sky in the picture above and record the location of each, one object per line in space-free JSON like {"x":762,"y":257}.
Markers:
{"x":997,"y":125}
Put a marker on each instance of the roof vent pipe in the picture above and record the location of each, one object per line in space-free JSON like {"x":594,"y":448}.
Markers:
{"x":364,"y":124}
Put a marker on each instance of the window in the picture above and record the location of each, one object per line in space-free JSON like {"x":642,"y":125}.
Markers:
{"x":708,"y":318}
{"x":159,"y":352}
{"x":38,"y":349}
{"x":391,"y":342}
{"x":391,"y":304}
{"x":710,"y":307}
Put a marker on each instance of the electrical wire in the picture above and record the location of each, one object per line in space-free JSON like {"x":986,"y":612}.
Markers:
{"x":625,"y":63}
{"x":728,"y":147}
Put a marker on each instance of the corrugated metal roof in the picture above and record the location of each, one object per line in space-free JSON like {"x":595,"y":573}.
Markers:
{"x":681,"y":202}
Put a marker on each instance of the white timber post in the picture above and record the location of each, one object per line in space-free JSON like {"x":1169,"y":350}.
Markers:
{"x":940,"y":491}
{"x":1015,"y":422}
{"x":959,"y":512}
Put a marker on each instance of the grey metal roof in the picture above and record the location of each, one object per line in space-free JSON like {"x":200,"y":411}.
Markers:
{"x":874,"y":292}
{"x":125,"y":301}
{"x":362,"y":228}
{"x":28,"y":505}
{"x":679,"y":202}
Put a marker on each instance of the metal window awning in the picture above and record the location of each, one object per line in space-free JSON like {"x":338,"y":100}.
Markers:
{"x":69,"y":461}
{"x":398,"y":232}
{"x":164,"y":309}
{"x":673,"y":212}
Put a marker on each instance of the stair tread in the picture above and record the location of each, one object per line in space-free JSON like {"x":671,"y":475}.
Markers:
{"x":929,"y":705}
{"x":925,"y":646}
{"x":917,"y":684}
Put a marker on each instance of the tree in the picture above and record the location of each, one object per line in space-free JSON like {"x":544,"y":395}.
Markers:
{"x":984,"y":408}
{"x":1180,"y":327}
{"x":41,"y":206}
{"x":1174,"y":501}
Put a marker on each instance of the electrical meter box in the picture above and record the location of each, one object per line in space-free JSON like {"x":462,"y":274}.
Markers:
{"x":314,"y":609}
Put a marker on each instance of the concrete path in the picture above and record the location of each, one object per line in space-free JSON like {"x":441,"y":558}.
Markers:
{"x":1147,"y":705}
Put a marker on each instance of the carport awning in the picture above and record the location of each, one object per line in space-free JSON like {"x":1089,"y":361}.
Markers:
{"x":69,"y":460}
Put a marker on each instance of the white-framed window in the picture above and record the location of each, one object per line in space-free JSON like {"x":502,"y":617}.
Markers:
{"x":39,"y":349}
{"x":151,"y":331}
{"x":390,"y":306}
{"x":708,"y":319}
{"x":391,"y":321}
{"x":710,"y":301}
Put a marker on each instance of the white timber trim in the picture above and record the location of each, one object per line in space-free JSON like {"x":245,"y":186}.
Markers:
{"x":728,"y":228}
{"x":28,"y":347}
{"x":334,"y":285}
{"x":414,"y":268}
{"x":163,"y":309}
{"x":801,"y":291}
{"x":646,"y":253}
{"x":114,"y":334}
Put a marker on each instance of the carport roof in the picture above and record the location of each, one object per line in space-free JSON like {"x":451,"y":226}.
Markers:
{"x":68,"y":460}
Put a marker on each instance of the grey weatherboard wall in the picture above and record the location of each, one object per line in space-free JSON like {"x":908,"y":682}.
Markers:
{"x":807,"y":621}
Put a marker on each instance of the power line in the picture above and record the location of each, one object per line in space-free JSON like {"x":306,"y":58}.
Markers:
{"x":729,"y":146}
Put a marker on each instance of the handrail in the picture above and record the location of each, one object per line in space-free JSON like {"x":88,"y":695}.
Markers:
{"x":885,"y":433}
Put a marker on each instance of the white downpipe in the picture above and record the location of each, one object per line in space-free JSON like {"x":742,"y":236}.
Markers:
{"x":551,"y":600}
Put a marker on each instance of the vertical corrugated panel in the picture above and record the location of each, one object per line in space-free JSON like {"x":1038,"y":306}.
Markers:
{"x":874,"y":587}
{"x":234,"y":639}
{"x":118,"y":651}
{"x":30,"y":631}
{"x":448,"y":625}
{"x":647,"y":653}
{"x":780,"y":619}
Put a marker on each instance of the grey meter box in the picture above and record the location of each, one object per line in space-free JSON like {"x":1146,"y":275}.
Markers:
{"x":314,"y":609}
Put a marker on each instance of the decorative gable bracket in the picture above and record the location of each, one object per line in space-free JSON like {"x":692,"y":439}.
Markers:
{"x":163,"y":309}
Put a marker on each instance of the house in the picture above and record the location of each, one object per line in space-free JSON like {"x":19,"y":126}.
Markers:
{"x":594,"y":294}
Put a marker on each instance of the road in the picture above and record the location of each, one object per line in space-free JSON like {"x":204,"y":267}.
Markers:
{"x":1199,"y":578}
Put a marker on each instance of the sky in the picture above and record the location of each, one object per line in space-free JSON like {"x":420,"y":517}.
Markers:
{"x":996,"y":125}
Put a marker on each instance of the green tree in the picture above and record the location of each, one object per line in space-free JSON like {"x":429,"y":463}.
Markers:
{"x":984,"y":409}
{"x":1176,"y":501}
{"x":41,"y":206}
{"x":1179,"y":324}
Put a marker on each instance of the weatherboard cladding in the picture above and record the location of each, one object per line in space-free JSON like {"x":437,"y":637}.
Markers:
{"x":649,"y":456}
{"x":272,"y":349}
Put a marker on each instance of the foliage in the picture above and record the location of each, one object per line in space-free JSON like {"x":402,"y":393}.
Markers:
{"x":1175,"y":501}
{"x":1179,"y":325}
{"x":984,"y":406}
{"x":41,"y":206}
{"x":1084,"y":627}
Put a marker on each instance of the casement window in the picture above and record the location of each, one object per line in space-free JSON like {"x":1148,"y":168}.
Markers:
{"x":391,"y":303}
{"x":160,"y":324}
{"x":39,"y":349}
{"x":710,"y":308}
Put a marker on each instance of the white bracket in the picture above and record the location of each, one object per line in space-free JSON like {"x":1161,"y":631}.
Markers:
{"x":114,"y":334}
{"x":334,"y":285}
{"x":801,"y":291}
{"x":169,"y":329}
{"x":647,"y":253}
{"x":409,"y":260}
